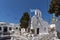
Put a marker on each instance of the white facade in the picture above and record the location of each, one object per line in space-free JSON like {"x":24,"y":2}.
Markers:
{"x":38,"y":22}
{"x":7,"y":27}
{"x":58,"y":24}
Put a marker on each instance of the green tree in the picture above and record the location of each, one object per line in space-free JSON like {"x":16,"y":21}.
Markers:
{"x":55,"y":7}
{"x":24,"y":22}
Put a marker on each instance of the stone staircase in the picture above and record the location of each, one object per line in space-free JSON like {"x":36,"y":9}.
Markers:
{"x":17,"y":32}
{"x":48,"y":37}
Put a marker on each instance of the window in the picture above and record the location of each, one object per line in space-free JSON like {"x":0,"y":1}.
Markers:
{"x":1,"y":24}
{"x":0,"y":28}
{"x":5,"y":29}
{"x":37,"y":20}
{"x":16,"y":27}
{"x":10,"y":28}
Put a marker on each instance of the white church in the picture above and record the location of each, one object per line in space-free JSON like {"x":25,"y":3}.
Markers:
{"x":39,"y":25}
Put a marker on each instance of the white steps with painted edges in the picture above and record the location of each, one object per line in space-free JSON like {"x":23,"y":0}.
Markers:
{"x":17,"y":32}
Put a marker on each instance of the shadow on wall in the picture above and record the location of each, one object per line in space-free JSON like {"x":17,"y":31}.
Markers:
{"x":58,"y":34}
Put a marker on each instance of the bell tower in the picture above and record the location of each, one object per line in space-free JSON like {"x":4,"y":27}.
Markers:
{"x":53,"y":19}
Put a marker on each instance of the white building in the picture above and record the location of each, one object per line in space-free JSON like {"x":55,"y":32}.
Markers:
{"x":8,"y":27}
{"x":38,"y":24}
{"x":58,"y":24}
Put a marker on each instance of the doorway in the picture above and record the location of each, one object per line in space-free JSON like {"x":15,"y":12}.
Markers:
{"x":37,"y":30}
{"x":5,"y":29}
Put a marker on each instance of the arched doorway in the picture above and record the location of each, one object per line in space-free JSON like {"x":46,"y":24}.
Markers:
{"x":5,"y":29}
{"x":37,"y":30}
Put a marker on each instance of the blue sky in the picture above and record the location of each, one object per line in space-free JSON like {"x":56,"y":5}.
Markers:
{"x":12,"y":10}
